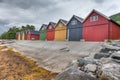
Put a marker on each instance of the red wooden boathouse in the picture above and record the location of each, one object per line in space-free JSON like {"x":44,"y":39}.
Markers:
{"x":50,"y":31}
{"x":98,"y":27}
{"x":32,"y":35}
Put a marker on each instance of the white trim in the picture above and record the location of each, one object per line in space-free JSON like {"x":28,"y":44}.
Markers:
{"x":67,"y":34}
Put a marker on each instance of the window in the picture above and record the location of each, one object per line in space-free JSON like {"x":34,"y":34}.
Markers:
{"x":50,"y":27}
{"x":60,"y":25}
{"x":74,"y":22}
{"x":93,"y":18}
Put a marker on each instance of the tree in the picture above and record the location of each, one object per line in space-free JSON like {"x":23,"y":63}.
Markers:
{"x":11,"y":33}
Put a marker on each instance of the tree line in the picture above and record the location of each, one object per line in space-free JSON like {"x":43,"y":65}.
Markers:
{"x":11,"y":33}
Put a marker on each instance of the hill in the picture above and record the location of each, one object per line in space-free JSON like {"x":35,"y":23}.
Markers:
{"x":116,"y":17}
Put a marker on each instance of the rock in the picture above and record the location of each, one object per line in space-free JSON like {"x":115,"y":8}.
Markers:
{"x":111,"y":47}
{"x":102,"y":55}
{"x":116,"y":57}
{"x":118,"y":52}
{"x":91,"y":67}
{"x":74,"y":74}
{"x":107,"y":50}
{"x":115,"y":44}
{"x":106,"y":60}
{"x":85,"y":61}
{"x":66,"y":49}
{"x":111,"y":71}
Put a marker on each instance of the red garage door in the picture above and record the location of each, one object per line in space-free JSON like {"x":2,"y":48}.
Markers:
{"x":50,"y":35}
{"x":95,"y":33}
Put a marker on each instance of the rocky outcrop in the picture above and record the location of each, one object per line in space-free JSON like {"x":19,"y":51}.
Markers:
{"x":111,"y":71}
{"x":116,"y":57}
{"x":74,"y":74}
{"x":86,"y":60}
{"x":105,"y":52}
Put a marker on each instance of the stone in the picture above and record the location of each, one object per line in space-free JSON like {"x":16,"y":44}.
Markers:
{"x":91,"y":67}
{"x":102,"y":55}
{"x":111,"y":47}
{"x":116,"y":57}
{"x":85,"y":61}
{"x":74,"y":74}
{"x":118,"y":45}
{"x":111,"y":71}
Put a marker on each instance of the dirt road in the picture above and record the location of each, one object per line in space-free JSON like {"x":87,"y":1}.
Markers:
{"x":13,"y":66}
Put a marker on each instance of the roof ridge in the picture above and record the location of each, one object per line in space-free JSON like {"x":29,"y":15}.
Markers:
{"x":79,"y":18}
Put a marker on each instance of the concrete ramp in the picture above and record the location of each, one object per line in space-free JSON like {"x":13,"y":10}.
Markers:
{"x":56,"y":56}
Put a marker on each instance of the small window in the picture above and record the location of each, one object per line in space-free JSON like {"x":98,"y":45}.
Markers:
{"x":60,"y":25}
{"x":93,"y":18}
{"x":74,"y":22}
{"x":50,"y":27}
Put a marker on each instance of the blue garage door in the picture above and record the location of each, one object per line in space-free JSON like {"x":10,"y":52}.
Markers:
{"x":75,"y":34}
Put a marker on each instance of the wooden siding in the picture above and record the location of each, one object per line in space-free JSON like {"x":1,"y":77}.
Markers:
{"x":114,"y":31}
{"x":100,"y":30}
{"x":74,"y":32}
{"x":60,"y":32}
{"x":50,"y":33}
{"x":43,"y":35}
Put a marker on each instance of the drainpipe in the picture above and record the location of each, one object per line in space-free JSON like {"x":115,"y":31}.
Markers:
{"x":109,"y":30}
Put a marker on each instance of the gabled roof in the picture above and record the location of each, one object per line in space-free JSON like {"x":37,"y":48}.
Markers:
{"x":43,"y":25}
{"x":97,"y":13}
{"x":52,"y":23}
{"x":34,"y":32}
{"x":101,"y":15}
{"x":17,"y":33}
{"x":78,"y":18}
{"x":64,"y":21}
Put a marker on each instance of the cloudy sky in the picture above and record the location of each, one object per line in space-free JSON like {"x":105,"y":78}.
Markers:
{"x":37,"y":12}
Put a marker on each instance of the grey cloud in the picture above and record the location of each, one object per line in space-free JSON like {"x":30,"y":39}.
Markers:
{"x":4,"y":22}
{"x":26,"y":4}
{"x":99,"y":1}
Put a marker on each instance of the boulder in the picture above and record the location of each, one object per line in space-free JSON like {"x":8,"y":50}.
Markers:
{"x":111,"y":71}
{"x":116,"y":44}
{"x":107,"y":50}
{"x":111,"y":47}
{"x":90,"y":67}
{"x":85,"y":61}
{"x":116,"y":57}
{"x":102,"y":55}
{"x":74,"y":74}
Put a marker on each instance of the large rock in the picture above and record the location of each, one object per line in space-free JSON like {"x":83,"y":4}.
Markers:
{"x":107,"y":50}
{"x":116,"y":57}
{"x":111,"y":71}
{"x":90,"y":67}
{"x":87,"y":60}
{"x":102,"y":55}
{"x":111,"y":47}
{"x":74,"y":74}
{"x":116,"y":44}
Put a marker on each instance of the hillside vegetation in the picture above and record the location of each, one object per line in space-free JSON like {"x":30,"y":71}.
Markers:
{"x":116,"y":17}
{"x":10,"y":34}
